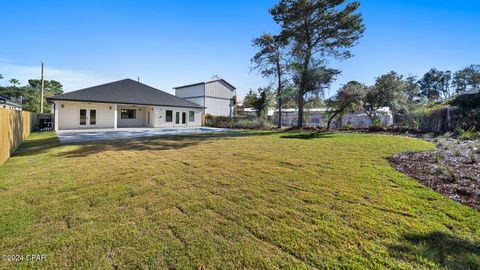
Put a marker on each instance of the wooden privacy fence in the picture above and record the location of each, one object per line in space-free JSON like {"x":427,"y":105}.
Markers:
{"x":15,"y":126}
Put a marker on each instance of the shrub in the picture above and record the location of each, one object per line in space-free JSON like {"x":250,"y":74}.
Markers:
{"x":473,"y":158}
{"x":467,"y":134}
{"x":377,"y":123}
{"x":242,"y":122}
{"x":349,"y":125}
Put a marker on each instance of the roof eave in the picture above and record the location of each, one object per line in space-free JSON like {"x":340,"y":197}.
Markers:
{"x":123,"y":103}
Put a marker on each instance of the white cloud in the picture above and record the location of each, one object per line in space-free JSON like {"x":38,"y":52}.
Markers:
{"x":71,"y":79}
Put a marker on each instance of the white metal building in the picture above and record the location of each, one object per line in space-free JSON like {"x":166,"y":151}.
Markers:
{"x":216,"y":96}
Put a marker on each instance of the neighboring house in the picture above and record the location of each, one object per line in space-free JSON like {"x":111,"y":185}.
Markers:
{"x":253,"y":112}
{"x":124,"y":103}
{"x":217,"y":96}
{"x":9,"y":104}
{"x":319,"y":117}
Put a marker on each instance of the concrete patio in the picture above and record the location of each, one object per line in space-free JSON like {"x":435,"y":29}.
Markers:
{"x":85,"y":135}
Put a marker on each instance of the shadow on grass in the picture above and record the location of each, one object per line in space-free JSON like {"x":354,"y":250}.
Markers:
{"x":444,"y":250}
{"x":308,"y":135}
{"x":156,"y":143}
{"x":37,"y":145}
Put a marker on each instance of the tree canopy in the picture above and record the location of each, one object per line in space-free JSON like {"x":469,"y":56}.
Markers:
{"x":466,"y":79}
{"x":316,"y":30}
{"x":348,"y":99}
{"x":271,"y":61}
{"x":29,"y":95}
{"x":435,"y":84}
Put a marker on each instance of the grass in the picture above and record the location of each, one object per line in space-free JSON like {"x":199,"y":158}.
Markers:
{"x":243,"y":200}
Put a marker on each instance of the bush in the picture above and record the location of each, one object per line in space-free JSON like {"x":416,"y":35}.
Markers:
{"x":469,"y":134}
{"x":349,"y":125}
{"x":377,"y":122}
{"x":466,"y":102}
{"x":242,"y":122}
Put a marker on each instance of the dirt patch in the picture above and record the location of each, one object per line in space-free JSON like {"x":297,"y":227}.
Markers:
{"x":452,"y":169}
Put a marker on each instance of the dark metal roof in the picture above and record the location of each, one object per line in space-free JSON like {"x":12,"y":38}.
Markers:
{"x":126,"y":91}
{"x":193,"y":84}
{"x":4,"y":100}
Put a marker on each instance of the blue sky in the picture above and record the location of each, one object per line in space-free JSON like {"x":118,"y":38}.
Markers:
{"x":171,"y":43}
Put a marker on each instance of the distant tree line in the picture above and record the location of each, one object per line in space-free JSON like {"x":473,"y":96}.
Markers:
{"x":29,"y":95}
{"x":402,"y":94}
{"x":296,"y":58}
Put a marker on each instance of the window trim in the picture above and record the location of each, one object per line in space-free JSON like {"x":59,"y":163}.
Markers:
{"x":191,"y":116}
{"x":126,"y":111}
{"x":166,"y":116}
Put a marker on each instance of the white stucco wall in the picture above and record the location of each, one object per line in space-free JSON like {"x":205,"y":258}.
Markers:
{"x":69,"y":115}
{"x":160,"y":117}
{"x":139,"y":121}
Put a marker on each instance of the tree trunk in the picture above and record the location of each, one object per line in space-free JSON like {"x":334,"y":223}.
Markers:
{"x":300,"y":108}
{"x":301,"y":90}
{"x":279,"y":93}
{"x":329,"y":122}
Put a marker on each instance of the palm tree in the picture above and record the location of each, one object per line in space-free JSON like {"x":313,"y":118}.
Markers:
{"x":14,"y":82}
{"x":1,"y":77}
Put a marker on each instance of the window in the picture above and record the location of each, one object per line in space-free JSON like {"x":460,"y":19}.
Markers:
{"x":168,"y":116}
{"x":191,"y":116}
{"x":93,"y":117}
{"x":83,"y":117}
{"x":177,"y":117}
{"x":128,"y":114}
{"x":184,"y":117}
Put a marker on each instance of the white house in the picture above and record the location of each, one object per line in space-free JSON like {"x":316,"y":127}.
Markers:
{"x":9,"y":104}
{"x":319,"y":117}
{"x":124,"y":103}
{"x":217,"y":96}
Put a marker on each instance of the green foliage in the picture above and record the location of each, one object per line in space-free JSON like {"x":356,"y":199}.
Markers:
{"x":435,"y":84}
{"x":263,"y":101}
{"x":244,"y":122}
{"x":271,"y":61}
{"x":377,"y":122}
{"x":249,"y":99}
{"x":14,"y":82}
{"x":348,"y":99}
{"x":466,"y":102}
{"x":316,"y":30}
{"x":349,"y":125}
{"x":30,"y":95}
{"x":468,"y":134}
{"x":467,"y":78}
{"x":386,"y":92}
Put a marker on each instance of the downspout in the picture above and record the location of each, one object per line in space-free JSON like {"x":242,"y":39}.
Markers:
{"x":204,"y":118}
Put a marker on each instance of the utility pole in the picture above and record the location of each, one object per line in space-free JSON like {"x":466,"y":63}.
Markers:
{"x":41,"y":100}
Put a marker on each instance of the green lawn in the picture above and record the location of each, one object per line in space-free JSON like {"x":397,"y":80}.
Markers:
{"x":244,"y":200}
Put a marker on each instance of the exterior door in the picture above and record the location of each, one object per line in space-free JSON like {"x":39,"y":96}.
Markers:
{"x":177,"y":118}
{"x":180,"y":119}
{"x":88,"y":117}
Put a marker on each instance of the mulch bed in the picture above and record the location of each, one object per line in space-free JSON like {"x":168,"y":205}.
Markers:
{"x":452,"y":169}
